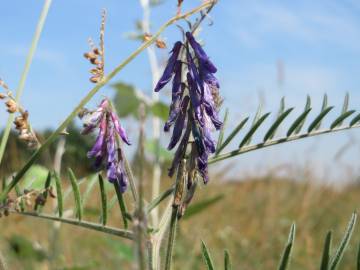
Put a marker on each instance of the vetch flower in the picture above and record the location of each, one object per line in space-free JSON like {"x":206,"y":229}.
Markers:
{"x":193,"y":108}
{"x":107,"y":149}
{"x":170,"y":67}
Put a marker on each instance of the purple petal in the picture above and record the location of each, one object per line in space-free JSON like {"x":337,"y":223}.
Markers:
{"x":111,"y":147}
{"x":195,"y":99}
{"x":179,"y":124}
{"x":112,"y":172}
{"x":91,"y":121}
{"x":119,"y":129}
{"x":169,"y":69}
{"x":208,"y":141}
{"x":202,"y":163}
{"x":210,"y":107}
{"x":194,"y":72}
{"x":98,"y":147}
{"x":122,"y":178}
{"x":200,"y":53}
{"x":175,"y":107}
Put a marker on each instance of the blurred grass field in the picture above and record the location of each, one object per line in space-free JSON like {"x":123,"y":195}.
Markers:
{"x":251,"y":221}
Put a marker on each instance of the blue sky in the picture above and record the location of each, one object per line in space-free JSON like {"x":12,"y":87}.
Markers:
{"x":317,"y":44}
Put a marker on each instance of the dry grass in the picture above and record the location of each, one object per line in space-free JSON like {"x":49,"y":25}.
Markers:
{"x":252,"y":221}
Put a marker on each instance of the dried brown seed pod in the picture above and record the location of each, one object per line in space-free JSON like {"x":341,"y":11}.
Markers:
{"x":160,"y":44}
{"x":2,"y":96}
{"x":11,"y":106}
{"x":96,"y":51}
{"x":40,"y":199}
{"x":51,"y":192}
{"x":95,"y":79}
{"x":147,"y":37}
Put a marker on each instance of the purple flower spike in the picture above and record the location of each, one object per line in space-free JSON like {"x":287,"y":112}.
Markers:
{"x":169,"y":69}
{"x":107,"y":150}
{"x":195,"y":108}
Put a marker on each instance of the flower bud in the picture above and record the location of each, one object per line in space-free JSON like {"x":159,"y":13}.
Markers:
{"x":11,"y":106}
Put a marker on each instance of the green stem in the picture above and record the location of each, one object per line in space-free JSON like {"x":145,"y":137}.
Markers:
{"x":122,"y":204}
{"x":92,"y":92}
{"x":178,"y":194}
{"x":159,"y":199}
{"x":172,"y":235}
{"x":25,"y":73}
{"x":88,"y":225}
{"x":250,"y":148}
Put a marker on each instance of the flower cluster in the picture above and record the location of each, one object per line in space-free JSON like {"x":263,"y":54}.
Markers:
{"x":21,"y":122}
{"x":107,"y":149}
{"x":96,"y":55}
{"x":193,"y":106}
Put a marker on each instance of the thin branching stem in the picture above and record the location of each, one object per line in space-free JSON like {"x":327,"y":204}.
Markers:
{"x":277,"y":141}
{"x":93,"y":91}
{"x":85,"y":224}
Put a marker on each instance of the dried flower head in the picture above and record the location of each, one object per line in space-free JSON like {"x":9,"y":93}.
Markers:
{"x":158,"y":42}
{"x":194,"y":108}
{"x":96,"y":55}
{"x":27,"y":198}
{"x":107,"y":149}
{"x":21,"y":121}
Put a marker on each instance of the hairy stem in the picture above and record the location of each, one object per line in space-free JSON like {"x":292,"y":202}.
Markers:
{"x":277,"y":141}
{"x":181,"y":173}
{"x":88,"y":225}
{"x":25,"y":73}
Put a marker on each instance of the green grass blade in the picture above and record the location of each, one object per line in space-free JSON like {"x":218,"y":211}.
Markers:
{"x":159,"y":199}
{"x":227,"y":260}
{"x":29,"y":58}
{"x":232,"y":135}
{"x":272,"y":130}
{"x":358,"y":258}
{"x":315,"y":124}
{"x":285,"y":258}
{"x":298,"y":122}
{"x":18,"y":194}
{"x":198,"y":207}
{"x":355,"y":120}
{"x":282,"y":107}
{"x":206,"y":255}
{"x":256,"y":118}
{"x":338,"y":121}
{"x":307,"y":107}
{"x":104,"y":207}
{"x":122,"y":204}
{"x":76,"y":192}
{"x":60,"y":204}
{"x":346,"y":103}
{"x":335,"y":260}
{"x":323,"y":108}
{"x":325,"y":261}
{"x":252,"y":130}
{"x":221,"y":133}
